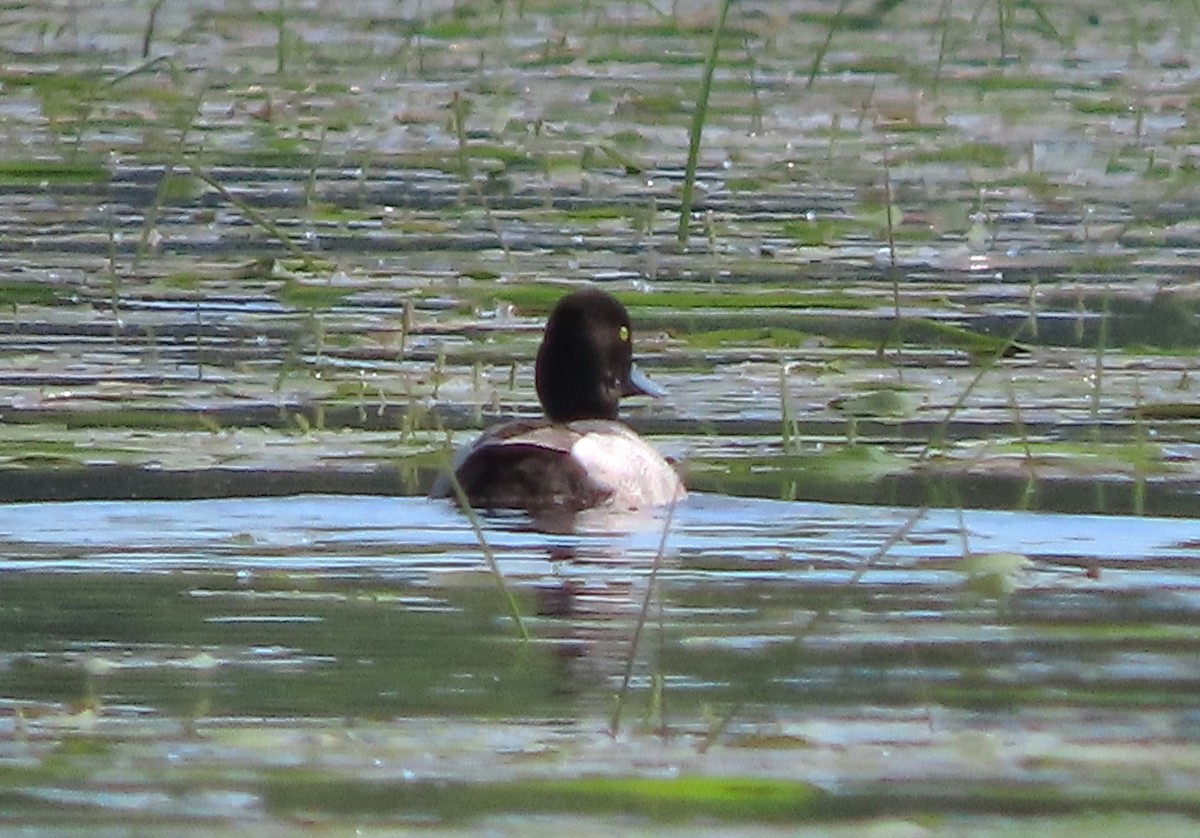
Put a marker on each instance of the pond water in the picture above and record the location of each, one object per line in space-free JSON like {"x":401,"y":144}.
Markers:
{"x":930,"y":347}
{"x":154,"y":649}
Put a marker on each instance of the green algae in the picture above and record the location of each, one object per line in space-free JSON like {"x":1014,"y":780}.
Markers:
{"x":52,"y":172}
{"x":661,"y":800}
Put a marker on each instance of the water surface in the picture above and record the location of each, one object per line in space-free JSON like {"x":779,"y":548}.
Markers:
{"x":930,"y":346}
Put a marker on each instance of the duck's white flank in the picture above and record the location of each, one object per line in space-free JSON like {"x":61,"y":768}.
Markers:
{"x":618,"y":459}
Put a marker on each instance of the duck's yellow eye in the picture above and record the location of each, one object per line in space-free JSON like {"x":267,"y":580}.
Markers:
{"x":623,"y":333}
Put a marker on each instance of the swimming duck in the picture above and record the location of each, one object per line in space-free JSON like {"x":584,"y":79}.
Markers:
{"x":580,"y":456}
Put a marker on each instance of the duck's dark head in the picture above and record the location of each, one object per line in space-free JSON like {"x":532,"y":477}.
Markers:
{"x":585,"y":363}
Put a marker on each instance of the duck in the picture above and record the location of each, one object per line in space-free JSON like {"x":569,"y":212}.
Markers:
{"x":581,"y":456}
